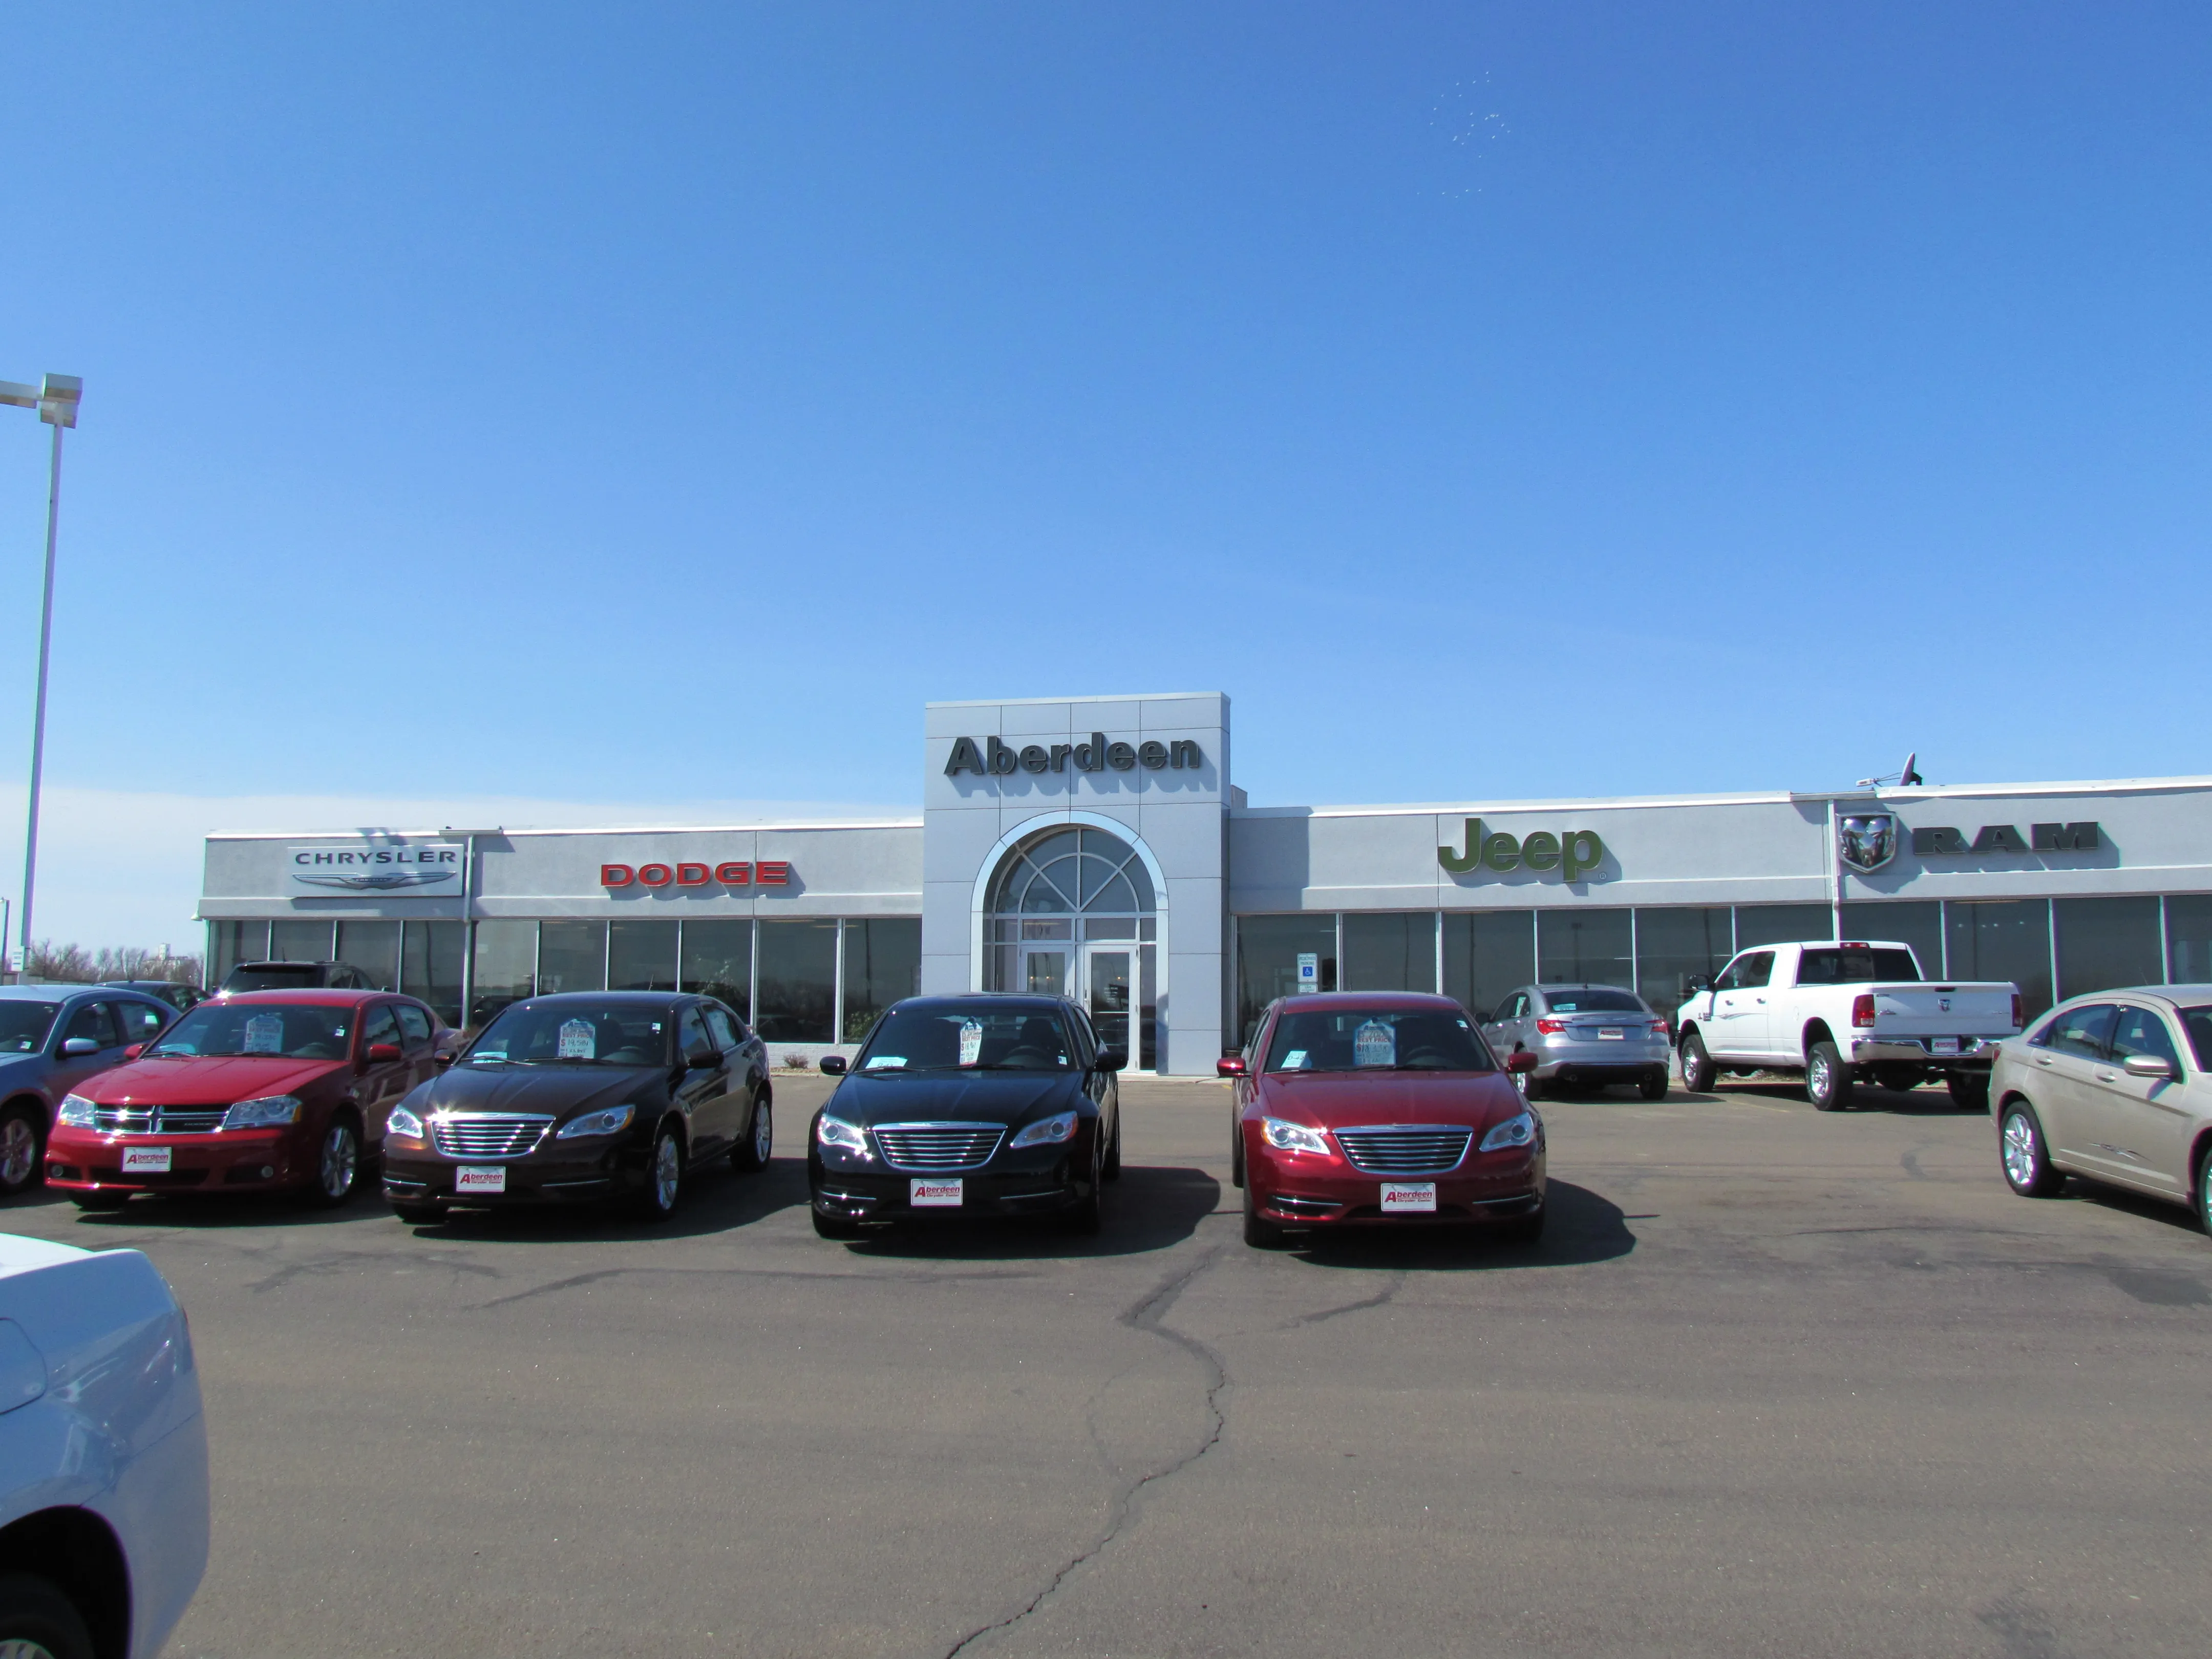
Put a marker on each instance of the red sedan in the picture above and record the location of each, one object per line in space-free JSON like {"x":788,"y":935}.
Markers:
{"x":251,"y":1091}
{"x":1380,"y":1109}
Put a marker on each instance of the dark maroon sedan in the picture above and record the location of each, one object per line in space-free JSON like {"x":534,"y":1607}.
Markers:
{"x":1380,"y":1109}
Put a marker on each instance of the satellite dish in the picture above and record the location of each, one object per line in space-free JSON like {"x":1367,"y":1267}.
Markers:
{"x":1910,"y":775}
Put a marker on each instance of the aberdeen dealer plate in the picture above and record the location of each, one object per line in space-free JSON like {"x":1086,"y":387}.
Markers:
{"x":146,"y":1160}
{"x":1409,"y":1197}
{"x":934,"y":1194}
{"x":479,"y":1178}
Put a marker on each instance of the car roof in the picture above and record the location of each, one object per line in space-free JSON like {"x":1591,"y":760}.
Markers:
{"x":2179,"y":995}
{"x":48,"y":993}
{"x":320,"y":996}
{"x":997,"y":999}
{"x":1317,"y":1001}
{"x":656,"y":999}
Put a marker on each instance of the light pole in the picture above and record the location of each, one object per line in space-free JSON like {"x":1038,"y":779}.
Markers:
{"x":56,"y":400}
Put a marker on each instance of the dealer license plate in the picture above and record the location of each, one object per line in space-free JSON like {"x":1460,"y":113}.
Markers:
{"x":146,"y":1160}
{"x":1406,"y":1197}
{"x":480,"y":1178}
{"x":1944,"y":1046}
{"x":934,"y":1194}
{"x":1611,"y":1034}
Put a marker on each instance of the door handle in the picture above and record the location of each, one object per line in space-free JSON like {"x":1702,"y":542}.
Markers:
{"x":2043,"y":1060}
{"x":2108,"y":1077}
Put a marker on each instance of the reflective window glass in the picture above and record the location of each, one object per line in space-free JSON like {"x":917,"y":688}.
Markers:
{"x":2105,"y":943}
{"x":1782,"y":924}
{"x":1676,"y":944}
{"x":1917,"y":923}
{"x":641,"y":956}
{"x":414,"y":1026}
{"x":1574,"y":946}
{"x":2083,"y":1031}
{"x":300,"y":941}
{"x":233,"y":942}
{"x":381,"y":1025}
{"x":506,"y":967}
{"x":1267,"y":951}
{"x":883,"y":963}
{"x":572,"y":956}
{"x":372,"y":949}
{"x":1487,"y":953}
{"x":1394,"y":950}
{"x":2000,"y":939}
{"x":796,"y":1000}
{"x":430,"y":965}
{"x":2189,"y":939}
{"x":717,"y":961}
{"x":2141,"y":1031}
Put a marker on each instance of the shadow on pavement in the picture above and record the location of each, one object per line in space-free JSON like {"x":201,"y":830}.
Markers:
{"x":1151,"y":1207}
{"x":1583,"y":1227}
{"x":716,"y":1199}
{"x":1932,"y":1102}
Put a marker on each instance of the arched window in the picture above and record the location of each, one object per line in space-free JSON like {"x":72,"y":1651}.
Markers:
{"x":1071,"y":913}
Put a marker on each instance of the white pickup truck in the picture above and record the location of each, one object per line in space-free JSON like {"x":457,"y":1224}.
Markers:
{"x":1836,"y":1008}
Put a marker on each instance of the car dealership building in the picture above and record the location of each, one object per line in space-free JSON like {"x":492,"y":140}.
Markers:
{"x":1097,"y":849}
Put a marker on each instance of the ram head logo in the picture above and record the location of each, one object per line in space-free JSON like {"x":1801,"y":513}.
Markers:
{"x":1867,"y":841}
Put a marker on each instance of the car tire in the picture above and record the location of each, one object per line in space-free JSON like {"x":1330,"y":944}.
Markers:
{"x":1236,"y":1154}
{"x":1698,"y":1072}
{"x":1653,"y":1087}
{"x":2204,"y":1205}
{"x":1112,"y":1170}
{"x":98,"y":1201}
{"x":1259,"y":1234}
{"x":36,"y":1617}
{"x":1970,"y":1090}
{"x":338,"y":1165}
{"x":420,"y":1215}
{"x":2028,"y":1167}
{"x":664,"y":1177}
{"x":23,"y":1149}
{"x":752,"y":1154}
{"x":836,"y":1227}
{"x":1089,"y":1214}
{"x":1827,"y":1079}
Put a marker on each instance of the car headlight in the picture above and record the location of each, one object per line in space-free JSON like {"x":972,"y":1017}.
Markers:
{"x":404,"y":1123}
{"x":1061,"y":1126}
{"x":835,"y":1131}
{"x":77,"y":1113}
{"x":604,"y":1121}
{"x":1519,"y":1131}
{"x":261,"y":1113}
{"x":1287,"y":1137}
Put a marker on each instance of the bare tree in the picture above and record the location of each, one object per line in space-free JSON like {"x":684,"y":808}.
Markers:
{"x":72,"y":965}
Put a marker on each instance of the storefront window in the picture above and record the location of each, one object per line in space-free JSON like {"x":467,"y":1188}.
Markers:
{"x":641,"y":956}
{"x":2189,"y":939}
{"x":718,"y":962}
{"x":373,"y":947}
{"x":1585,"y":947}
{"x":1675,"y":944}
{"x":2105,"y":942}
{"x":797,"y":998}
{"x":1782,"y":924}
{"x":1918,"y":923}
{"x":1148,"y":997}
{"x":1267,"y":950}
{"x":883,"y":963}
{"x":572,"y":956}
{"x":2002,"y":938}
{"x":430,"y":965}
{"x":230,"y":943}
{"x":1488,"y":954}
{"x":300,"y":941}
{"x":505,"y":969}
{"x":1390,"y":952}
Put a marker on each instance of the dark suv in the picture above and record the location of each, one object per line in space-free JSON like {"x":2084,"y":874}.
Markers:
{"x":295,"y":976}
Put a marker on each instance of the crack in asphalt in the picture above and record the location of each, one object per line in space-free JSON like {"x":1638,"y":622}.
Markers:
{"x":576,"y":1280}
{"x":1381,"y":1299}
{"x":1147,"y":1315}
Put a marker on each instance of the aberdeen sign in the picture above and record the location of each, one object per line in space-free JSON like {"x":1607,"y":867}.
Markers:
{"x":994,"y":759}
{"x":1573,"y":853}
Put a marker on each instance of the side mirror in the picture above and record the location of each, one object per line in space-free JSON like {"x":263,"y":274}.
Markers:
{"x":2146,"y":1066}
{"x":1112,"y":1059}
{"x":1231,"y":1065}
{"x":1521,"y":1061}
{"x":381,"y":1054}
{"x":134,"y":1051}
{"x":833,"y":1065}
{"x":77,"y":1047}
{"x":441,"y":1059}
{"x":702,"y":1062}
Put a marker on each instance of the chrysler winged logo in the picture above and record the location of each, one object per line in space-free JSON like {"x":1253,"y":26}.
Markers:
{"x":384,"y":881}
{"x":1867,"y":841}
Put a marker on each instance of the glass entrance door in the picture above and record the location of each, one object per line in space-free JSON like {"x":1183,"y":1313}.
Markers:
{"x":1044,"y":972}
{"x":1106,"y":990}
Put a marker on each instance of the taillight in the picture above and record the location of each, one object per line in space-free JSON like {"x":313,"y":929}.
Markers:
{"x":1660,"y":1028}
{"x":1551,"y":1027}
{"x":1862,"y":1009}
{"x":2015,"y":1010}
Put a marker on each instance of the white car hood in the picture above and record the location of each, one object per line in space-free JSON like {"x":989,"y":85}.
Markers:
{"x":19,"y":1255}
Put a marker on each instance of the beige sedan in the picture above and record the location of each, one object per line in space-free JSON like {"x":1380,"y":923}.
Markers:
{"x":2116,"y":1087}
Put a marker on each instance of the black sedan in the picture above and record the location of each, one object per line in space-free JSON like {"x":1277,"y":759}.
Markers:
{"x":587,"y":1095}
{"x":968,"y":1106}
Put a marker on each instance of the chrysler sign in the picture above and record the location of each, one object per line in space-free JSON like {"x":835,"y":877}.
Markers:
{"x":422,"y":870}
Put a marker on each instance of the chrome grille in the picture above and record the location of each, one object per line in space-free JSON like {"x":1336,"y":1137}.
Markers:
{"x":487,"y":1134}
{"x":159,"y":1120}
{"x":1405,"y":1148}
{"x":935,"y":1146}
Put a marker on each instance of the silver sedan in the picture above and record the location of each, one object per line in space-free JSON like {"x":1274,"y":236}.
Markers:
{"x":2115,"y":1086}
{"x":1583,"y":1033}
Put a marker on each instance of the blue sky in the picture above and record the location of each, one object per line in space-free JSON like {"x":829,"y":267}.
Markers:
{"x":622,"y":406}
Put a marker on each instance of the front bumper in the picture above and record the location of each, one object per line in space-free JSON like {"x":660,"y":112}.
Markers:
{"x":225,"y":1160}
{"x":1308,"y":1190}
{"x":1030,"y":1180}
{"x":1975,"y":1053}
{"x":586,"y":1174}
{"x":1617,"y":1062}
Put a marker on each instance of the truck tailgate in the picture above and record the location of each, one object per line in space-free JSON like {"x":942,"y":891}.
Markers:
{"x":1983,"y":1009}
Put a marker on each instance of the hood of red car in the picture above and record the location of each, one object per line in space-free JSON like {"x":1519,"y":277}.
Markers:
{"x":205,"y":1080}
{"x":1343,"y":1100}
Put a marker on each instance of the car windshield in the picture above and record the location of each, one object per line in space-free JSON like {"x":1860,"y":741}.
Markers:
{"x":1597,"y":1000}
{"x":1376,"y":1039}
{"x":2198,"y":1021}
{"x":575,"y":1033}
{"x":24,"y":1025}
{"x":920,"y":1038}
{"x":274,"y":976}
{"x":1856,"y":965}
{"x":292,"y":1030}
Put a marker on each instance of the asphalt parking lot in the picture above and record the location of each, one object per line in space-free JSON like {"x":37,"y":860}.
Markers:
{"x":1775,"y":1382}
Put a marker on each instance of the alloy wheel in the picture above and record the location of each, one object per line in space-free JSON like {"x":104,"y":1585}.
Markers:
{"x":667,"y":1173}
{"x":19,"y":1151}
{"x":763,"y":1133}
{"x":1816,"y":1075}
{"x":341,"y":1161}
{"x":2020,"y":1149}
